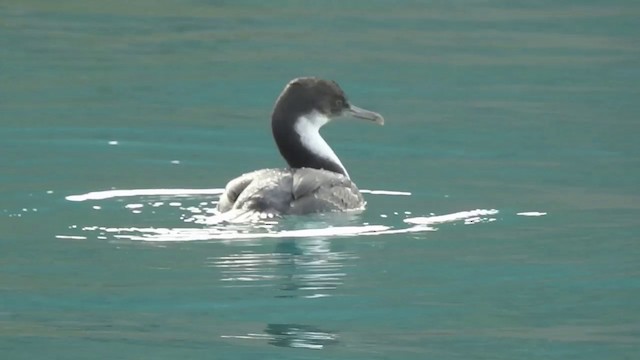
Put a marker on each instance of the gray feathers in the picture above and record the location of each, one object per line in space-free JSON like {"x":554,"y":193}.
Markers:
{"x":291,"y":191}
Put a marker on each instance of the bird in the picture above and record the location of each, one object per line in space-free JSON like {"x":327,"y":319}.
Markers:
{"x":315,"y":180}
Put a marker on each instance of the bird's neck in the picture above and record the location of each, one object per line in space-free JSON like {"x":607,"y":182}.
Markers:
{"x":301,"y":145}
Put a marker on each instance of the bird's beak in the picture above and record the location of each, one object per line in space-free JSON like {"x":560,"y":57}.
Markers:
{"x":364,"y":114}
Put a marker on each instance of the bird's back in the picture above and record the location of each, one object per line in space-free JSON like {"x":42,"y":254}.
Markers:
{"x":291,"y":191}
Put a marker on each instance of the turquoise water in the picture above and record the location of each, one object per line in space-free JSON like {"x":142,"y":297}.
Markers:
{"x":509,"y":162}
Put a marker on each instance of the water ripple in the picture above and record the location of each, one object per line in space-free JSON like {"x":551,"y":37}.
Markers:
{"x":197,"y":207}
{"x":304,"y":267}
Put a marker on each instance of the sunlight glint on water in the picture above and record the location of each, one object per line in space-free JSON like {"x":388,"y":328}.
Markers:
{"x":241,"y":225}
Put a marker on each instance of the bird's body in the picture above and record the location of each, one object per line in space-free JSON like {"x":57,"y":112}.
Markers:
{"x":316,"y":180}
{"x":291,"y":191}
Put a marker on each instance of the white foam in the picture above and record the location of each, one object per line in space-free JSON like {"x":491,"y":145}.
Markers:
{"x":386,"y":192}
{"x":71,"y":237}
{"x":462,"y":215}
{"x":532,"y":213}
{"x":243,"y":225}
{"x":195,"y":234}
{"x":108,"y":194}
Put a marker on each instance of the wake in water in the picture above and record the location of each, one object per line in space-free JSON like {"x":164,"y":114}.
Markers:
{"x":199,"y":209}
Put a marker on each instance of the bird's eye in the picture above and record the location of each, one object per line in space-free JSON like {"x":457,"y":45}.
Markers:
{"x":339,"y":103}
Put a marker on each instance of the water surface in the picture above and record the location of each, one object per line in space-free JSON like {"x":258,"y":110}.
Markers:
{"x":510,"y":150}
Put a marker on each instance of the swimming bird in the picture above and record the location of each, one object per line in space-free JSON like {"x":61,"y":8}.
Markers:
{"x":316,"y":180}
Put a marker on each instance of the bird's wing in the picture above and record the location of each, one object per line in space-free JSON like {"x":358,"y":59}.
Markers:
{"x":233,"y":190}
{"x":320,"y":190}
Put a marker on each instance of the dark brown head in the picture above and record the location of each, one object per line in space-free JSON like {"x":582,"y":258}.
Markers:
{"x":303,"y":96}
{"x":304,"y":106}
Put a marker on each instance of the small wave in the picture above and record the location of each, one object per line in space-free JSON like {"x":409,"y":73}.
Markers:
{"x":462,"y":215}
{"x":386,"y":192}
{"x":247,"y":225}
{"x":107,"y":194}
{"x":532,"y":213}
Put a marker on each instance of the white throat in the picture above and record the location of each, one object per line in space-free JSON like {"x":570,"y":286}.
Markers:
{"x":308,"y":128}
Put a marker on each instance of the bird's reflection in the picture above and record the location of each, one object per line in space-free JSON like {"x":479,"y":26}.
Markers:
{"x":299,"y":336}
{"x":295,"y":268}
{"x":311,"y":269}
{"x":299,"y":267}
